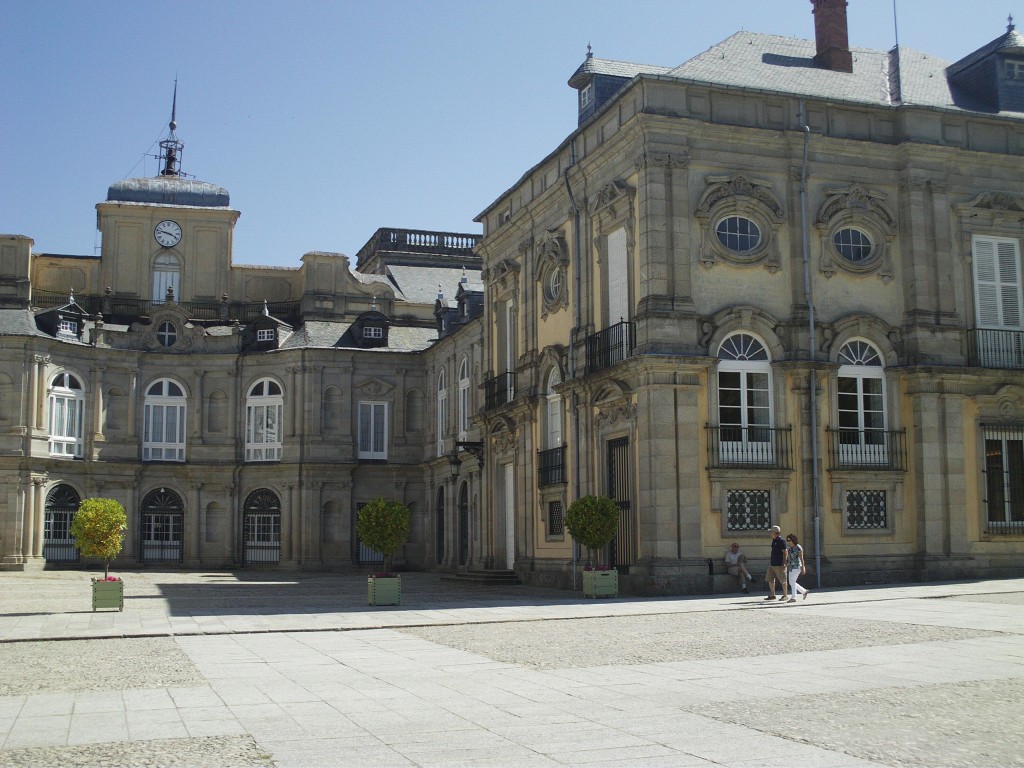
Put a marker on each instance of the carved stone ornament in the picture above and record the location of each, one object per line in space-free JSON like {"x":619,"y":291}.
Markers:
{"x":374,"y":388}
{"x":997,"y":201}
{"x":504,"y":441}
{"x":614,"y":199}
{"x":864,"y":213}
{"x":622,"y":413}
{"x":723,"y":187}
{"x":502,"y":274}
{"x":552,"y":259}
{"x":745,"y":198}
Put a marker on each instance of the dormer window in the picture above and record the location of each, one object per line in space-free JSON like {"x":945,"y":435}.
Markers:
{"x":1014,"y":69}
{"x":67,"y":327}
{"x":373,"y":332}
{"x":265,"y":334}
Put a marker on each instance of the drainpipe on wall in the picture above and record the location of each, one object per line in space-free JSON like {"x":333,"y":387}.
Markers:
{"x":572,"y":334}
{"x":812,"y":381}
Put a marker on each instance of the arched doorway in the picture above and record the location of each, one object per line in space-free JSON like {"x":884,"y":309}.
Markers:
{"x":162,"y":527}
{"x":61,"y":504}
{"x":464,"y":523}
{"x":439,"y":529}
{"x":261,"y":528}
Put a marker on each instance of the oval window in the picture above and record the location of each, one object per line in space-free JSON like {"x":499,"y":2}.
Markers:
{"x":853,"y":245}
{"x":738,"y":234}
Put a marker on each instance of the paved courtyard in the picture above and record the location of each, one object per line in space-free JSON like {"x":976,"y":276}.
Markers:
{"x":269,"y":669}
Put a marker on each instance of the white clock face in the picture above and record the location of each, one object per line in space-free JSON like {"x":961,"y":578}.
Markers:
{"x":167,"y":233}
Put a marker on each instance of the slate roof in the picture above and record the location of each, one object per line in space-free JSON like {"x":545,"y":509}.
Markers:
{"x":627,"y":69}
{"x":19,"y":322}
{"x":419,"y":284}
{"x":1011,"y":42}
{"x":324,"y":333}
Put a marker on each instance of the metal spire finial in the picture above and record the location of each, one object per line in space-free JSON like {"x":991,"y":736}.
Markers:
{"x":590,"y":51}
{"x":1009,"y":23}
{"x":171,"y":148}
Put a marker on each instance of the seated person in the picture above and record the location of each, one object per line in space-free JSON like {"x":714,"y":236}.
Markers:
{"x":736,"y":561}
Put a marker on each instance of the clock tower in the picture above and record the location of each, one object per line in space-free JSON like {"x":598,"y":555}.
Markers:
{"x":166,"y":237}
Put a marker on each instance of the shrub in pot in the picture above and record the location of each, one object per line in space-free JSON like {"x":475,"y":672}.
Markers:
{"x":383,"y":526}
{"x":98,"y":529}
{"x":592,"y":521}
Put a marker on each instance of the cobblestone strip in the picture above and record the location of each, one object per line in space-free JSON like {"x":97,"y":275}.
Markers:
{"x":95,"y":665}
{"x":678,"y":637}
{"x":205,"y":752}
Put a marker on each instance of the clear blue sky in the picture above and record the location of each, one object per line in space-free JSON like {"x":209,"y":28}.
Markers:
{"x":327,"y":120}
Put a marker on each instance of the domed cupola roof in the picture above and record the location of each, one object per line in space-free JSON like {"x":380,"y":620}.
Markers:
{"x":172,"y":186}
{"x":169,"y":190}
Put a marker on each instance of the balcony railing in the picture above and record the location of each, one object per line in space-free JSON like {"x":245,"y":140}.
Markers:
{"x":551,"y":466}
{"x":766,"y":447}
{"x":610,"y":346}
{"x":989,"y":348}
{"x":867,"y":448}
{"x":499,"y":390}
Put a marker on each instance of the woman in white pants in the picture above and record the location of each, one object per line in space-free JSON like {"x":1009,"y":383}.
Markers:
{"x":795,"y":567}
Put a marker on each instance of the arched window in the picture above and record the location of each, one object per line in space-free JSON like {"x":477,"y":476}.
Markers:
{"x":861,"y":403}
{"x":464,"y":413}
{"x":744,"y":399}
{"x":66,"y":405}
{"x":163,"y":429}
{"x":553,"y":416}
{"x":166,"y":274}
{"x":442,"y":410}
{"x":264,"y":409}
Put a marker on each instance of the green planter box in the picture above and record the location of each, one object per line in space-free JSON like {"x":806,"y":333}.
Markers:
{"x":384,"y":590}
{"x":601,"y":583}
{"x":107,"y":594}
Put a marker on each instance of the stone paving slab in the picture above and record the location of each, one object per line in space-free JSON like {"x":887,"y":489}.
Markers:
{"x":303,"y":673}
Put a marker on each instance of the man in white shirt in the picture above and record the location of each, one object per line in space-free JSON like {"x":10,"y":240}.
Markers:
{"x":736,"y":562}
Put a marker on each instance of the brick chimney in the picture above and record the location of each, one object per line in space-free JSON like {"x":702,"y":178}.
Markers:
{"x":830,"y":36}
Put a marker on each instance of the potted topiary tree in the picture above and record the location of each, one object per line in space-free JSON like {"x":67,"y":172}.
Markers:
{"x":592,"y":521}
{"x":383,"y":526}
{"x":98,"y":529}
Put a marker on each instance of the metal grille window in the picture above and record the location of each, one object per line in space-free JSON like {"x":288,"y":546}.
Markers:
{"x":1004,"y":479}
{"x":866,"y":510}
{"x":262,"y":527}
{"x":61,"y":504}
{"x":161,"y":527}
{"x":556,"y":519}
{"x":748,"y":510}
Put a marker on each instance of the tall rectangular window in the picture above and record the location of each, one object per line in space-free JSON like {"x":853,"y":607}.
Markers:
{"x":373,"y":427}
{"x":1004,"y":481}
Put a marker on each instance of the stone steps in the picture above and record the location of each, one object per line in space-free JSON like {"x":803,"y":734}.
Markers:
{"x":487,"y":578}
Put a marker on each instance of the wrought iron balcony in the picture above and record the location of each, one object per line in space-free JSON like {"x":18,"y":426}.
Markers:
{"x":499,"y":390}
{"x":610,"y":346}
{"x":734,"y":446}
{"x":551,"y":466}
{"x":867,"y":449}
{"x":990,"y":348}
